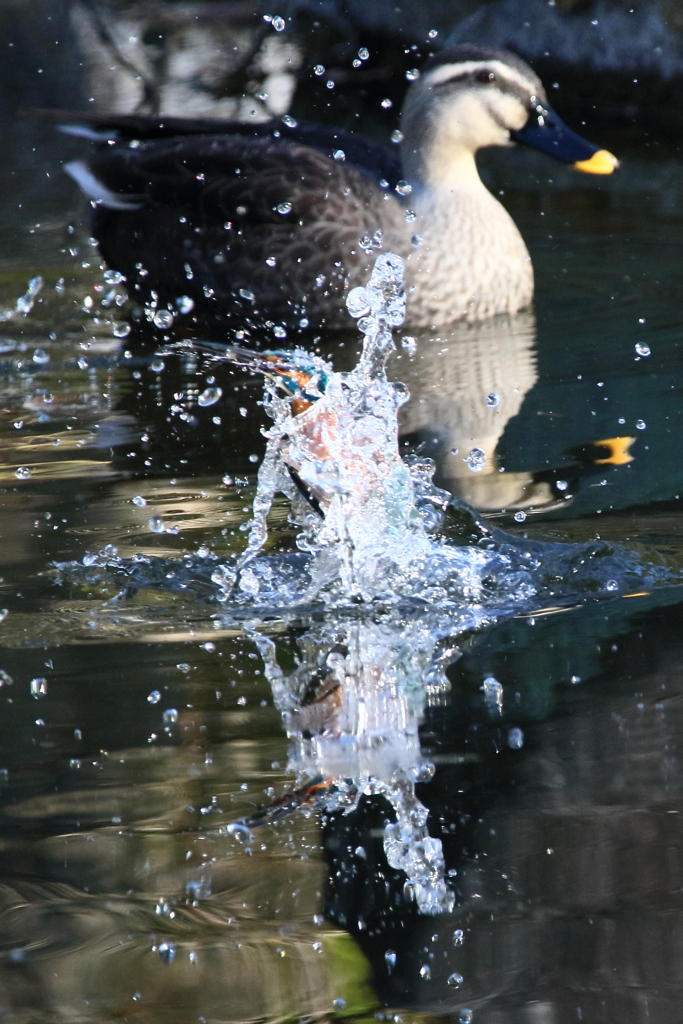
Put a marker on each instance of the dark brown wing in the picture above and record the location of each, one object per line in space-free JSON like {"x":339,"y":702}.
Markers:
{"x":208,"y":215}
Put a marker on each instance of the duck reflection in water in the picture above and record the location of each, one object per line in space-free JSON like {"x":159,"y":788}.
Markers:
{"x":467,"y":382}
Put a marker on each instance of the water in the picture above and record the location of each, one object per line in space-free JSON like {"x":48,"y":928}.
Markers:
{"x":127,"y":887}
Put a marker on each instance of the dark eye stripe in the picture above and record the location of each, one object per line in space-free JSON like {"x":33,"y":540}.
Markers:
{"x":498,"y":82}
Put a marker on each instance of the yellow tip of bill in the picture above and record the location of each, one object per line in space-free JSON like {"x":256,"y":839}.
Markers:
{"x":618,"y":448}
{"x":601,"y":162}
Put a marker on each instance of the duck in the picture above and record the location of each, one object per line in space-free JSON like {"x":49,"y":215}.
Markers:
{"x":272,"y":224}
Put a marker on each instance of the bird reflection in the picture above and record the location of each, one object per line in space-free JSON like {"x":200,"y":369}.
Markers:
{"x":467,"y":381}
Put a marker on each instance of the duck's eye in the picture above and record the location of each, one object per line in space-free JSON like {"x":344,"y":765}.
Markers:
{"x":485,"y":77}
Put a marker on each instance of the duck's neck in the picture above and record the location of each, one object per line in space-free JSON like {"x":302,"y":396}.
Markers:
{"x":443,"y":169}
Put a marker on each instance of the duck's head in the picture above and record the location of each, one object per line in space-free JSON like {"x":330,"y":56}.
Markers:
{"x":468,"y":97}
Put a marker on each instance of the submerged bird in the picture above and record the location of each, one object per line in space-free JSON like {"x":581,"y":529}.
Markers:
{"x":273,"y":223}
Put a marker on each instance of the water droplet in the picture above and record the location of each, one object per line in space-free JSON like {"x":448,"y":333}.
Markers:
{"x":5,"y":677}
{"x":412,"y":74}
{"x":520,"y":516}
{"x":271,"y":261}
{"x":22,"y":473}
{"x":403,"y":188}
{"x":466,"y":1016}
{"x":397,"y":136}
{"x":38,"y":687}
{"x":289,"y":121}
{"x":409,"y":344}
{"x":561,"y":485}
{"x":390,"y":958}
{"x":284,"y":208}
{"x":163,"y":319}
{"x":515,"y":739}
{"x":455,"y":980}
{"x":121,"y":330}
{"x":433,"y":33}
{"x":156,"y":524}
{"x":157,"y":366}
{"x":339,"y":1004}
{"x":170,"y":717}
{"x":184,"y":304}
{"x":209,"y":396}
{"x":363,"y":53}
{"x":167,"y":951}
{"x":139,"y":501}
{"x":357,"y":302}
{"x":279,"y":332}
{"x":40,"y":356}
{"x":416,"y":241}
{"x":493,"y":694}
{"x":458,"y":937}
{"x":426,"y":972}
{"x":113,"y":277}
{"x":319,"y":70}
{"x":278,"y":24}
{"x":339,"y":155}
{"x":387,"y":104}
{"x":640,"y":424}
{"x":476,"y":460}
{"x":611,"y":585}
{"x":642,"y":349}
{"x":493,"y":400}
{"x":154,"y":697}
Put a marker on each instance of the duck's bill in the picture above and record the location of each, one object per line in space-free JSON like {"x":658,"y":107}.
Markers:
{"x":546,"y":131}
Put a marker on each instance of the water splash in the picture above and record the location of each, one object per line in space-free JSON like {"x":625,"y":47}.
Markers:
{"x":352,"y":708}
{"x":363,"y":513}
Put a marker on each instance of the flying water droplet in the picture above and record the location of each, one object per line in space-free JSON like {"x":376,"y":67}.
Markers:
{"x":455,"y":980}
{"x":184,"y":304}
{"x":390,"y":959}
{"x":640,"y":424}
{"x":40,"y":356}
{"x":210,"y":396}
{"x":22,"y":473}
{"x":139,"y":501}
{"x":154,"y":697}
{"x":163,"y":319}
{"x":520,"y":516}
{"x":493,"y":400}
{"x":515,"y":739}
{"x":493,"y":694}
{"x":38,"y":687}
{"x":278,"y":24}
{"x":121,"y":330}
{"x":156,"y":524}
{"x":167,"y":951}
{"x":476,"y":460}
{"x":642,"y":349}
